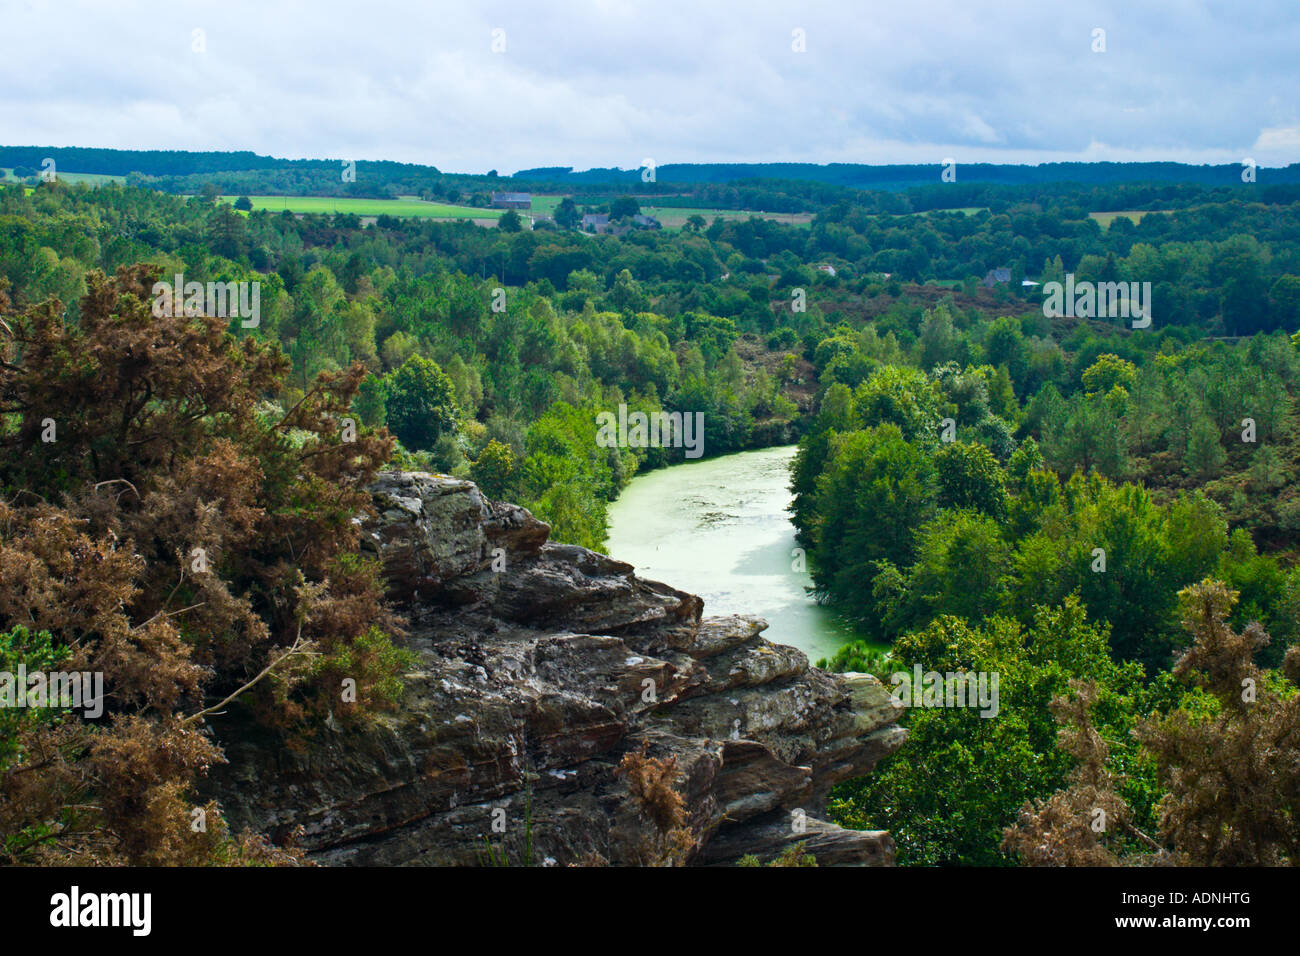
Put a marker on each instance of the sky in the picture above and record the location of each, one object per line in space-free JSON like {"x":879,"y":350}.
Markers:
{"x":473,"y":86}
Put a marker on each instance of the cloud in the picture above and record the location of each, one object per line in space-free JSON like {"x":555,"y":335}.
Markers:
{"x":599,"y":83}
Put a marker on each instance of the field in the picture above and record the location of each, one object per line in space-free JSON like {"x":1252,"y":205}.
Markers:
{"x":964,"y":210}
{"x":1104,"y":219}
{"x":406,"y":208}
{"x":671,"y":217}
{"x":674,"y":217}
{"x":90,"y":179}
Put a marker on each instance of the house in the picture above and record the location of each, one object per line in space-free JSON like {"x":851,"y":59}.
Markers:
{"x":828,"y":269}
{"x":512,"y":201}
{"x":595,"y":222}
{"x":650,"y":222}
{"x":995,"y":276}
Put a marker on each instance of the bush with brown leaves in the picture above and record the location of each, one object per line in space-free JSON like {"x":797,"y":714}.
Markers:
{"x":163,"y":529}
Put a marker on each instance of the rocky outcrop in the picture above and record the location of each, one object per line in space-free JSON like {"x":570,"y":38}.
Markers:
{"x":541,"y":666}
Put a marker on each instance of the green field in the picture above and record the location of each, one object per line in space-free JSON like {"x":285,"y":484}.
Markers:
{"x":674,"y":217}
{"x":964,"y":210}
{"x":545,"y":205}
{"x":407,"y":208}
{"x":1104,"y":219}
{"x":90,"y":179}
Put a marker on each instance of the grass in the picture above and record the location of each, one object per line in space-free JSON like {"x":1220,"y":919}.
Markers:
{"x":405,"y":208}
{"x":410,"y":207}
{"x":963,"y":210}
{"x":1104,"y":219}
{"x":545,"y":205}
{"x":90,"y":179}
{"x":674,"y":217}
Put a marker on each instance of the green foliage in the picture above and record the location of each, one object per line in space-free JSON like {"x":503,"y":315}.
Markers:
{"x":35,"y":652}
{"x":793,"y":855}
{"x":969,"y":477}
{"x":1109,"y":372}
{"x":859,"y":657}
{"x":493,"y":468}
{"x":371,"y":403}
{"x":951,"y":807}
{"x":899,"y":396}
{"x":421,"y":403}
{"x":373,"y":662}
{"x":876,"y":490}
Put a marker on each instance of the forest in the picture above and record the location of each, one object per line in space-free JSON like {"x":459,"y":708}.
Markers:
{"x":1103,"y":516}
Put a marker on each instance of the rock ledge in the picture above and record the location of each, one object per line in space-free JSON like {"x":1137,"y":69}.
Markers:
{"x":541,"y":665}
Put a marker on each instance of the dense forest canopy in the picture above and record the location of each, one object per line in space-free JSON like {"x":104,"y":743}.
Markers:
{"x":1103,"y":515}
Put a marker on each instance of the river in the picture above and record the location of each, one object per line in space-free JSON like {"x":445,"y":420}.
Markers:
{"x":718,"y":528}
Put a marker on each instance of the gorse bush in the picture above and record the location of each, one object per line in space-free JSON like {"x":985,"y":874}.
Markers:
{"x":158,"y":528}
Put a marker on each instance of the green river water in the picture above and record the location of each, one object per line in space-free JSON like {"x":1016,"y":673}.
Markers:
{"x":718,"y":528}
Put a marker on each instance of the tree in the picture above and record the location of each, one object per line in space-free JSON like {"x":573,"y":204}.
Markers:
{"x":952,"y":809}
{"x":510,"y":221}
{"x":877,"y":492}
{"x":624,"y":207}
{"x":1224,"y":757}
{"x":961,"y":559}
{"x":1087,"y":437}
{"x":421,"y":403}
{"x":901,"y":396}
{"x":1205,"y":455}
{"x":627,"y":295}
{"x":567,"y":215}
{"x":492,"y":469}
{"x":371,"y":403}
{"x":1284,"y":303}
{"x":1108,"y":372}
{"x":969,"y":477}
{"x":244,"y":204}
{"x":938,"y":341}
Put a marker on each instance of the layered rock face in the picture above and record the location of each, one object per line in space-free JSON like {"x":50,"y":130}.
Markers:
{"x":541,"y":666}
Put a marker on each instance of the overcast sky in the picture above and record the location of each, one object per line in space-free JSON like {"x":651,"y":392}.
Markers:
{"x":603,"y":83}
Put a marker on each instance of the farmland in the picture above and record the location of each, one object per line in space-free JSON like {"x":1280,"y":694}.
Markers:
{"x":90,"y":179}
{"x":1104,"y":219}
{"x":671,"y":217}
{"x":674,"y":217}
{"x":404,"y":208}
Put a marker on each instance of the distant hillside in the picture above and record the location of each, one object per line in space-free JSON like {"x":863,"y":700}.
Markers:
{"x":173,"y":163}
{"x":859,"y":176}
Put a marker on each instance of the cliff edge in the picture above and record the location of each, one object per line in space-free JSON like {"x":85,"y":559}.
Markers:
{"x":541,"y":666}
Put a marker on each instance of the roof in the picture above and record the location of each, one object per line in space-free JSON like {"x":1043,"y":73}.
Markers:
{"x":512,"y":197}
